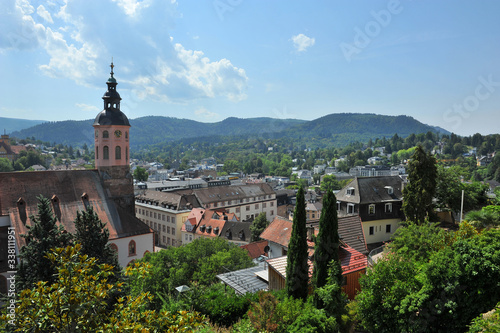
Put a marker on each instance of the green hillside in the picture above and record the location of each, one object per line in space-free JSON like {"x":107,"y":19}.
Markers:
{"x":334,"y":129}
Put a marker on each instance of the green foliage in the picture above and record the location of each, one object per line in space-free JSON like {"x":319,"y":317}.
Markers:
{"x":314,"y":321}
{"x":197,"y":262}
{"x":297,"y":269}
{"x":93,"y":236}
{"x":258,"y":225}
{"x":487,"y":217}
{"x":140,"y":174}
{"x":487,"y":323}
{"x":76,"y":302}
{"x":263,"y":314}
{"x":327,"y":244}
{"x":5,"y":165}
{"x":441,"y":294}
{"x":330,"y":183}
{"x":220,"y":303}
{"x":42,"y":236}
{"x":330,"y":295}
{"x":420,"y":190}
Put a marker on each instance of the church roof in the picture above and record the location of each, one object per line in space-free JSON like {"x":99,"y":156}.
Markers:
{"x":69,"y":191}
{"x":111,"y":117}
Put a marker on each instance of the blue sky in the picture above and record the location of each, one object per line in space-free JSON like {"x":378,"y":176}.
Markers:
{"x":437,"y":61}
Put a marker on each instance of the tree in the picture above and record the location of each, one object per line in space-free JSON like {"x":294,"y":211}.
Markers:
{"x":5,"y":165}
{"x":43,"y":235}
{"x":297,"y":269}
{"x":93,"y":236}
{"x":258,"y":225}
{"x":330,"y":183}
{"x":420,"y":190}
{"x":75,"y":302}
{"x":327,"y":242}
{"x":140,"y":174}
{"x":231,"y":166}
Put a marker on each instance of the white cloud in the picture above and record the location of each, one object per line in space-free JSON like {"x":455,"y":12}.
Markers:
{"x":18,"y":30}
{"x":87,"y":108}
{"x":204,"y":113}
{"x":132,"y":7}
{"x":43,"y":13}
{"x":301,"y":42}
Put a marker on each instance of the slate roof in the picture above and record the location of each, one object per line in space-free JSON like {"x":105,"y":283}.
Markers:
{"x":372,"y":190}
{"x":171,"y":200}
{"x":218,"y":193}
{"x":351,"y":232}
{"x":244,"y":280}
{"x":233,"y":230}
{"x":66,"y":189}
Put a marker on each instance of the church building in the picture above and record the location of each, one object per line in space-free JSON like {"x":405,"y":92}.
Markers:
{"x":108,"y":189}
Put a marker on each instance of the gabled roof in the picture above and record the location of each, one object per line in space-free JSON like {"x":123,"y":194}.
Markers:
{"x":255,"y":249}
{"x":278,"y":231}
{"x":237,"y":231}
{"x":69,"y":192}
{"x":223,"y":193}
{"x":171,"y":200}
{"x":372,"y":190}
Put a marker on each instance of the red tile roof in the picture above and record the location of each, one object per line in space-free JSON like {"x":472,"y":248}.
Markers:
{"x":255,"y":249}
{"x":278,"y":231}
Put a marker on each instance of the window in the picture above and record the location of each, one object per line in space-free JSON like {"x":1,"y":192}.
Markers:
{"x":388,"y":228}
{"x":350,"y":191}
{"x":186,"y":237}
{"x":163,"y":217}
{"x":105,"y":152}
{"x":237,"y":209}
{"x":118,"y":153}
{"x":168,"y":230}
{"x":168,"y":218}
{"x":256,"y":206}
{"x":126,"y":154}
{"x":164,"y":229}
{"x":155,"y":226}
{"x":131,"y":248}
{"x":313,"y":215}
{"x":96,"y":133}
{"x":272,"y":212}
{"x":165,"y":239}
{"x":389,"y":189}
{"x":338,"y":205}
{"x":372,"y":230}
{"x":173,"y":242}
{"x":264,"y":205}
{"x":155,"y":214}
{"x":96,"y":152}
{"x":173,"y":219}
{"x":190,"y":237}
{"x":105,"y":134}
{"x":126,"y":135}
{"x":350,"y":209}
{"x":247,"y":208}
{"x":168,"y":241}
{"x":371,"y":209}
{"x":388,"y":208}
{"x":272,"y":203}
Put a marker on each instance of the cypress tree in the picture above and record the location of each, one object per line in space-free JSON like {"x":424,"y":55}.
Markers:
{"x":42,"y":236}
{"x":421,"y":187}
{"x":297,"y":269}
{"x":327,"y":242}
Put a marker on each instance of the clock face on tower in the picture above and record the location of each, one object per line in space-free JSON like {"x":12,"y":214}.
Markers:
{"x":118,"y":133}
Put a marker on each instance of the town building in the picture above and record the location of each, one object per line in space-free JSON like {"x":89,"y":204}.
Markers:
{"x":377,"y":201}
{"x":108,"y":189}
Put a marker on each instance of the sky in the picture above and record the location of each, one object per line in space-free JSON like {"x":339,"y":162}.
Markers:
{"x":207,"y":60}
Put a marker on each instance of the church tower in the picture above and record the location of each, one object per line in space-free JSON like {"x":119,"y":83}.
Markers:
{"x":111,"y":138}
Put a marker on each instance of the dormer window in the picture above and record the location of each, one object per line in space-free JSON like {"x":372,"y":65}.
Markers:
{"x":389,"y":189}
{"x":350,"y":191}
{"x":371,"y":209}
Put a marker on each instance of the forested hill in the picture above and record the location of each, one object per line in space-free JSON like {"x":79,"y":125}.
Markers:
{"x":13,"y":124}
{"x":334,"y":129}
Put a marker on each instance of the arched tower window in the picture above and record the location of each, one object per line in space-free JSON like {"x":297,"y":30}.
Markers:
{"x":131,"y":248}
{"x":105,"y":152}
{"x":118,"y":152}
{"x":126,"y":135}
{"x":105,"y":134}
{"x":96,"y":152}
{"x":126,"y":154}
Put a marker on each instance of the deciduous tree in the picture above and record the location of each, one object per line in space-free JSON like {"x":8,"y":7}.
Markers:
{"x":258,"y":225}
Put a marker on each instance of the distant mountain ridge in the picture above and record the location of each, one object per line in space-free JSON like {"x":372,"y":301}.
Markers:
{"x":10,"y":125}
{"x":339,"y":128}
